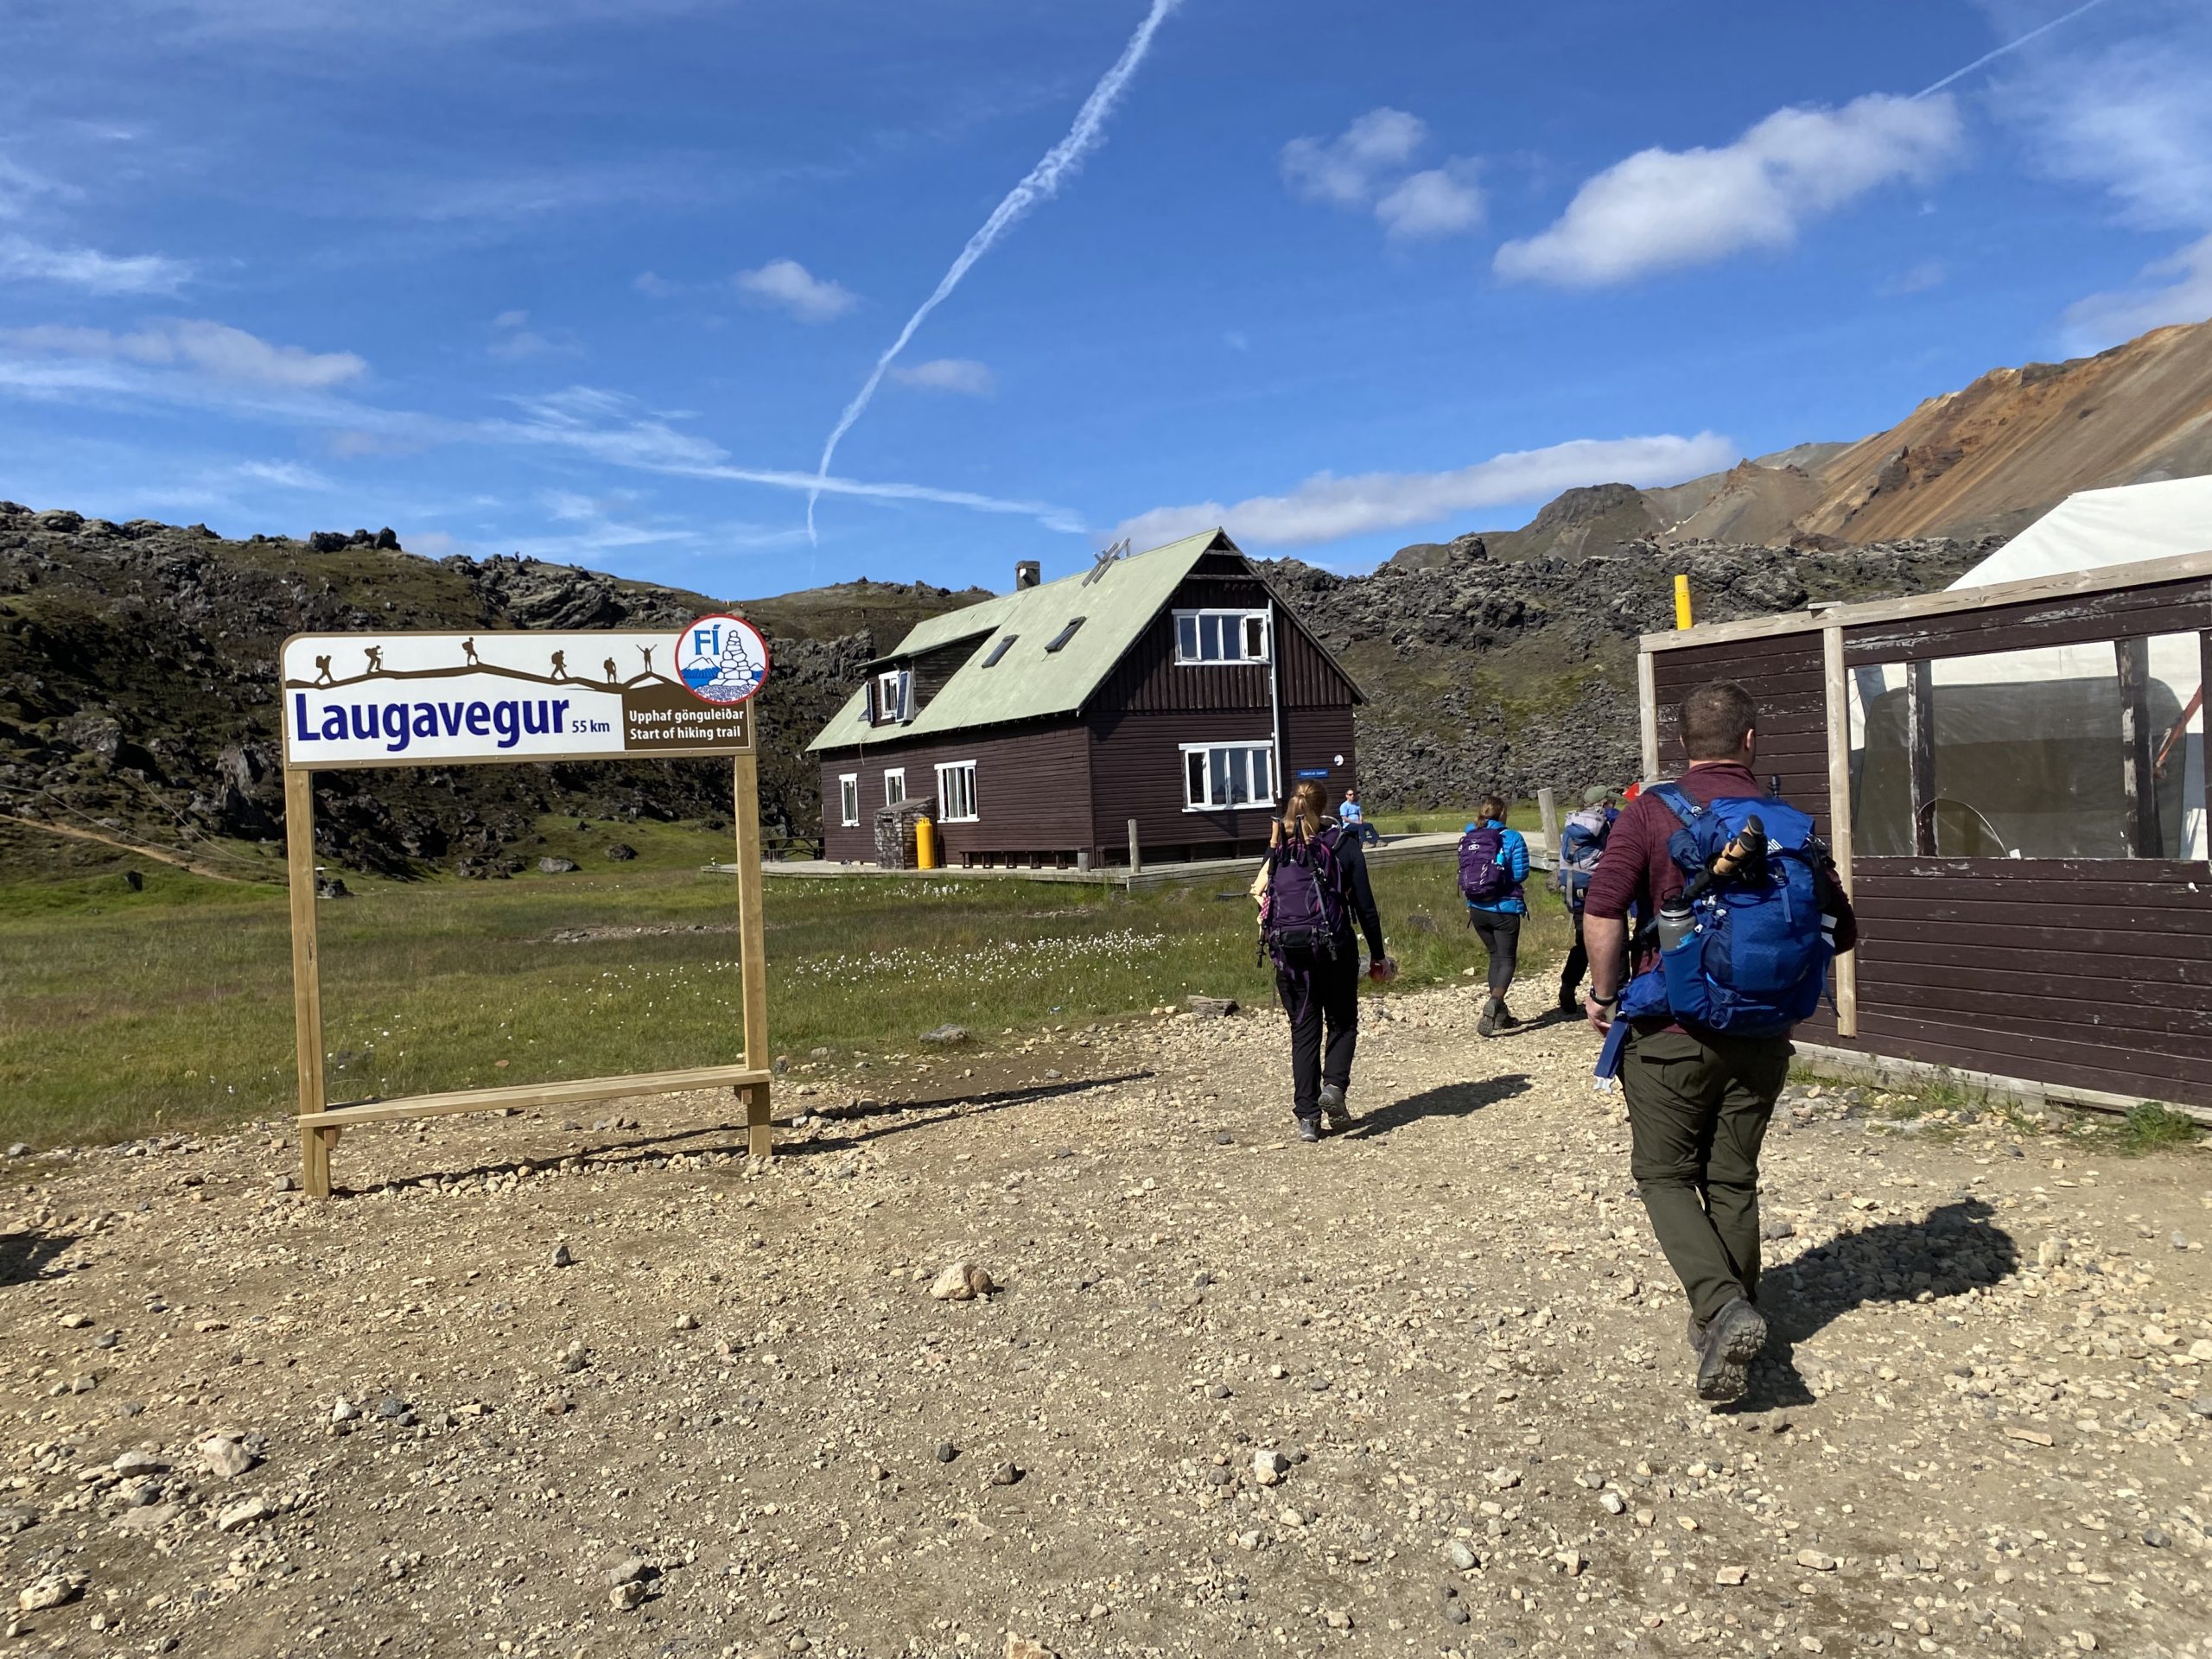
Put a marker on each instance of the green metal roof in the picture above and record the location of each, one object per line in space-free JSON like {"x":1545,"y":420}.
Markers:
{"x":1029,"y":682}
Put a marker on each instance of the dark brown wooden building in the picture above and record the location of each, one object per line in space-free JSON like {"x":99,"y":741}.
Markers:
{"x":1170,"y":687}
{"x":2013,"y":779}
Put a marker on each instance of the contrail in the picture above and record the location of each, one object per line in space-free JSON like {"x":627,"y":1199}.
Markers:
{"x":2009,"y":46}
{"x":1042,"y":182}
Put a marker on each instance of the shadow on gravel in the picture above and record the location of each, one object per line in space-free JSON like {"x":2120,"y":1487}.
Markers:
{"x":669,"y":1143}
{"x":996,"y":1101}
{"x":1957,"y":1248}
{"x":24,"y":1257}
{"x":1452,"y":1099}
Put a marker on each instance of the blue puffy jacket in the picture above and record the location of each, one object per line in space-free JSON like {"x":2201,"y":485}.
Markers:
{"x":1513,"y":853}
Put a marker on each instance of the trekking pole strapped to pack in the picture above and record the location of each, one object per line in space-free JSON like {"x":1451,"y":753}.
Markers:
{"x":1745,"y":948}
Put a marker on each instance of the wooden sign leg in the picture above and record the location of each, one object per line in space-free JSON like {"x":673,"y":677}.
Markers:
{"x":307,"y":977}
{"x":753,"y":965}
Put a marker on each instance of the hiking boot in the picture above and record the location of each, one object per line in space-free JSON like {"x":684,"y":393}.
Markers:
{"x":1492,"y":1010}
{"x":1309,"y":1129}
{"x":1505,"y":1020}
{"x":1334,"y":1107}
{"x":1568,"y":1002}
{"x":1730,"y":1341}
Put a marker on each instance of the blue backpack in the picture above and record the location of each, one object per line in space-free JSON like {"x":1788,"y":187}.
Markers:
{"x":1757,"y":958}
{"x":1581,"y":842}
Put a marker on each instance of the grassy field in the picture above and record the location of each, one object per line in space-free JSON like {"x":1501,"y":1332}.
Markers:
{"x":170,"y":1007}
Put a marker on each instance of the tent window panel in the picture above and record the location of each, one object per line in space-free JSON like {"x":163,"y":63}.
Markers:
{"x":848,"y":799}
{"x":2087,"y":751}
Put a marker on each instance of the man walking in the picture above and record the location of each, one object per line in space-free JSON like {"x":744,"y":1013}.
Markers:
{"x":1698,"y":1100}
{"x":1582,"y":844}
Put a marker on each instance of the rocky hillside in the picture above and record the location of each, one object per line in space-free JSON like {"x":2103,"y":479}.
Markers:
{"x":1487,"y":674}
{"x":1987,"y":459}
{"x":137,"y":691}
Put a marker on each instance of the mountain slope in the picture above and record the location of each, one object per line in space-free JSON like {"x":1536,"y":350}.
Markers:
{"x":1987,"y":459}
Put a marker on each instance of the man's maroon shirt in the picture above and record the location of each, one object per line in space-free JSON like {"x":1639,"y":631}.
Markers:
{"x":1638,"y":871}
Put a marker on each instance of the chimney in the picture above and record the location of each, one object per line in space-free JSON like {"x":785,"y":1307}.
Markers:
{"x":1027,"y":573}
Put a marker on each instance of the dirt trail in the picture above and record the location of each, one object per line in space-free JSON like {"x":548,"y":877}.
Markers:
{"x":139,"y":848}
{"x":1420,"y":1389}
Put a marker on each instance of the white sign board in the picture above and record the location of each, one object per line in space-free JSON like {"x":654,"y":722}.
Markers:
{"x":415,"y":699}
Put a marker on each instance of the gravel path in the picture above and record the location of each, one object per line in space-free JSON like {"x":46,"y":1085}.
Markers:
{"x":1420,"y":1389}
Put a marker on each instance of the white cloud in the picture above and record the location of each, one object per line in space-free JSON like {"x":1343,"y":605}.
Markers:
{"x":514,"y":341}
{"x":961,"y":375}
{"x":1660,"y":209}
{"x":2175,"y":289}
{"x":1327,"y":508}
{"x":213,"y":348}
{"x":788,"y":283}
{"x":654,"y":286}
{"x":284,"y":474}
{"x":24,"y":260}
{"x":1918,"y":278}
{"x":2130,"y":117}
{"x":1348,"y":170}
{"x":1368,"y":167}
{"x":1441,"y":201}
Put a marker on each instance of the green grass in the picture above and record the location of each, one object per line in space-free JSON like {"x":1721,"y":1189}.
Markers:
{"x":2153,"y":1125}
{"x":170,"y":1007}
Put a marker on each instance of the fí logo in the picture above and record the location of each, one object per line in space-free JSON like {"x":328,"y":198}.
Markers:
{"x":721,"y":660}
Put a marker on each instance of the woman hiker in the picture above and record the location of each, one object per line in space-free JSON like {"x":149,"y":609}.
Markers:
{"x":1314,"y":887}
{"x":1493,"y":863}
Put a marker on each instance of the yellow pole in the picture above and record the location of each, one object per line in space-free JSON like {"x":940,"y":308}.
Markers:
{"x":1681,"y":602}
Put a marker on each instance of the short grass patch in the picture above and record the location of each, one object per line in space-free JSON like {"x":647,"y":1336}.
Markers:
{"x":169,"y":1007}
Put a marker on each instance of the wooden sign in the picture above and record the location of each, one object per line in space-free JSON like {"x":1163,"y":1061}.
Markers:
{"x":357,"y":700}
{"x":408,"y":699}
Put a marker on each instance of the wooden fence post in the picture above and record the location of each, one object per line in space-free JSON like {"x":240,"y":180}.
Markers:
{"x":1547,"y":814}
{"x":1839,"y":824}
{"x":1647,"y":713}
{"x":1920,"y":751}
{"x":753,"y":965}
{"x":307,"y":978}
{"x":1137,"y":855}
{"x":2138,"y":745}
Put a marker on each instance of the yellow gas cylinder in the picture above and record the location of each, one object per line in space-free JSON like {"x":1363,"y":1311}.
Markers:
{"x":925,"y":844}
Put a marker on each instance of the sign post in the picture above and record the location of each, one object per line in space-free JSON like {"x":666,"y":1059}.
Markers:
{"x":411,"y":699}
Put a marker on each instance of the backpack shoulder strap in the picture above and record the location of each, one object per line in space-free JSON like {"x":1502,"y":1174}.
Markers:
{"x":1677,"y":801}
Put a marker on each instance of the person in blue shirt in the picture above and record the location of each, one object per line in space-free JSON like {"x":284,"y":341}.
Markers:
{"x":1353,"y":816}
{"x":1493,"y":863}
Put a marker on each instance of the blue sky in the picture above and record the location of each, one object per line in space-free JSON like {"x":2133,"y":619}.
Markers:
{"x":594,"y":279}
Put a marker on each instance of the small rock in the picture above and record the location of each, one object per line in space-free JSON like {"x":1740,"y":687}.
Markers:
{"x":1612,"y":1503}
{"x":2157,"y":1538}
{"x":1461,"y":1555}
{"x":1021,"y":1647}
{"x":344,"y":1411}
{"x":1732,"y":1575}
{"x":1006,"y":1474}
{"x":563,"y":1256}
{"x":19,"y":1149}
{"x":962,"y":1281}
{"x":2051,"y":1253}
{"x":558,"y":866}
{"x":619,"y":852}
{"x":244,"y":1513}
{"x":137,"y":1463}
{"x":631,"y":1569}
{"x":147,"y":1518}
{"x":1219,"y":1391}
{"x":1269,"y":1467}
{"x":686,"y":1322}
{"x":225,"y":1458}
{"x":623,"y":1597}
{"x":50,"y":1590}
{"x":393,"y":1409}
{"x":946,"y":1451}
{"x":1813,"y":1561}
{"x":75,"y":1321}
{"x":1455,"y":1613}
{"x":945,"y":1036}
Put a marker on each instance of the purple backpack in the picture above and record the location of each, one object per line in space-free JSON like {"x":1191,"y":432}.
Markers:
{"x":1483,"y":879}
{"x":1303,"y":916}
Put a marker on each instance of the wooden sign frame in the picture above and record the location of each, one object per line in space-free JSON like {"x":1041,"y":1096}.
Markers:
{"x":321,"y":1123}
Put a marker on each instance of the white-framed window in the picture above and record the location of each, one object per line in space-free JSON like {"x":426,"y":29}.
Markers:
{"x":894,"y":785}
{"x":956,"y":792}
{"x":894,"y":687}
{"x":1217,"y":775}
{"x":848,"y":799}
{"x":1221,"y":637}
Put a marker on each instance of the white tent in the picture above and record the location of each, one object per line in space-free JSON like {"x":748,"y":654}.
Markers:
{"x":2089,"y":530}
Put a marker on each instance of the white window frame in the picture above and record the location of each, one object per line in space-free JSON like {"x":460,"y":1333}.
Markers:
{"x":1232,"y":627}
{"x":945,"y":793}
{"x":1250,"y":746}
{"x":889,"y":773}
{"x":894,"y":689}
{"x":848,"y":799}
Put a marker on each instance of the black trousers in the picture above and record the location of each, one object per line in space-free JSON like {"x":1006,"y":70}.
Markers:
{"x":1578,"y":958}
{"x":1328,"y":997}
{"x":1500,"y":932}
